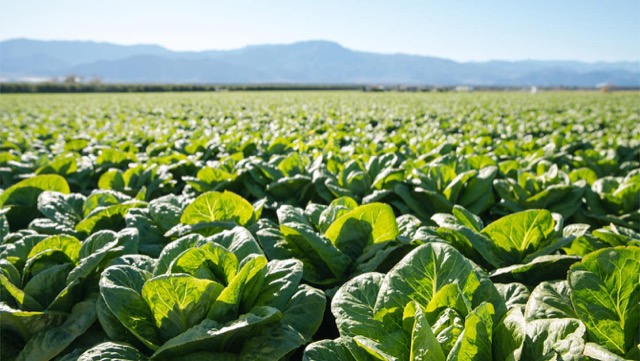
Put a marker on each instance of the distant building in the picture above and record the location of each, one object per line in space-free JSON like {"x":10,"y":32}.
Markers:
{"x":464,"y":89}
{"x":605,"y":87}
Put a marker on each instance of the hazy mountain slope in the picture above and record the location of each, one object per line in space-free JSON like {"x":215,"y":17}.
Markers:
{"x":302,"y":62}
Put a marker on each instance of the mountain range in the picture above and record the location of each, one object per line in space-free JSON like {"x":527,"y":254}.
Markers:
{"x":308,"y":62}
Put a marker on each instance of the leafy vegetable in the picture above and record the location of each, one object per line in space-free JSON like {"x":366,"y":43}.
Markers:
{"x":605,"y":292}
{"x":209,"y":300}
{"x":432,"y":305}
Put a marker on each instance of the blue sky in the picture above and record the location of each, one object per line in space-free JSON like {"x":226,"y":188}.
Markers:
{"x":463,"y":30}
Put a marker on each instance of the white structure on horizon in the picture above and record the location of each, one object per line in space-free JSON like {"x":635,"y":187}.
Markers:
{"x":464,"y":89}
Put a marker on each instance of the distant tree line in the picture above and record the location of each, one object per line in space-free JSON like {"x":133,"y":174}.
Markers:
{"x":97,"y":87}
{"x":69,"y":87}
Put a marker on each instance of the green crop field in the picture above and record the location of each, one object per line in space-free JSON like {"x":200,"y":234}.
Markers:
{"x":320,"y":226}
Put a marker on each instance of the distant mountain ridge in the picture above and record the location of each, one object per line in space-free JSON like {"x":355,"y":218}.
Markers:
{"x":308,"y":62}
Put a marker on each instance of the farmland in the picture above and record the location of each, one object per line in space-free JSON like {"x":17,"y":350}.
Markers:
{"x":320,"y":226}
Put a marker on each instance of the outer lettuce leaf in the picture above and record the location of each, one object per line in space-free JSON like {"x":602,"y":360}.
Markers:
{"x":68,"y":245}
{"x":478,"y":195}
{"x":22,"y":198}
{"x":215,"y":206}
{"x":25,"y":324}
{"x":509,"y":335}
{"x":514,"y":294}
{"x":475,"y":341}
{"x":605,"y":294}
{"x":47,"y":344}
{"x":295,"y":328}
{"x":374,"y":349}
{"x":16,"y":252}
{"x":428,"y":268}
{"x":324,"y":264}
{"x":542,"y":268}
{"x":110,"y":351}
{"x":153,"y":237}
{"x":45,"y":286}
{"x":333,"y":350}
{"x":4,"y":225}
{"x":99,"y":199}
{"x":12,"y":293}
{"x":239,"y":241}
{"x":121,"y":289}
{"x":64,"y":209}
{"x":600,"y":353}
{"x":213,"y":337}
{"x":353,"y":306}
{"x":336,"y":209}
{"x":518,"y":235}
{"x":557,"y":338}
{"x":280,"y":283}
{"x":365,"y":225}
{"x":470,"y":243}
{"x":354,"y":309}
{"x":467,"y":218}
{"x":550,"y":300}
{"x":107,"y":218}
{"x":297,"y":311}
{"x":111,"y":326}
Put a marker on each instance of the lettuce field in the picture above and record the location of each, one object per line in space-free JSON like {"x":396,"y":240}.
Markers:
{"x":320,"y":226}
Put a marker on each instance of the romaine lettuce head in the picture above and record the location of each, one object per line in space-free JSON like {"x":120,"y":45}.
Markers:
{"x":434,"y":305}
{"x":215,"y":295}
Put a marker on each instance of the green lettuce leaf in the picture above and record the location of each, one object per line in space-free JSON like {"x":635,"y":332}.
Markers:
{"x":216,"y":206}
{"x":179,"y":302}
{"x":605,"y":294}
{"x":365,"y":225}
{"x":111,"y":351}
{"x":46,"y":345}
{"x":518,"y":235}
{"x":22,"y":198}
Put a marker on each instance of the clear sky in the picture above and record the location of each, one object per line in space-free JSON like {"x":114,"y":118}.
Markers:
{"x":587,"y":30}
